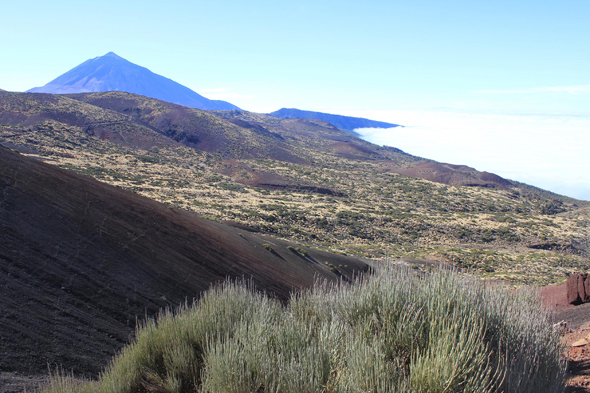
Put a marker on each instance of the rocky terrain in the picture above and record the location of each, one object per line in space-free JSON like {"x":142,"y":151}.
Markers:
{"x":573,"y":321}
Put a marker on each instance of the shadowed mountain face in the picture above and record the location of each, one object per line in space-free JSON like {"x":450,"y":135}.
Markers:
{"x":113,"y":73}
{"x":345,"y":123}
{"x":80,"y":261}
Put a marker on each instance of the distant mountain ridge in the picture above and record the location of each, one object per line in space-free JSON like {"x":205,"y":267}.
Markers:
{"x":113,"y":73}
{"x":345,"y":123}
{"x":143,"y":122}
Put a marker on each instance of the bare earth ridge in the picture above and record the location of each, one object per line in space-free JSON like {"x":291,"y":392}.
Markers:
{"x":81,"y":262}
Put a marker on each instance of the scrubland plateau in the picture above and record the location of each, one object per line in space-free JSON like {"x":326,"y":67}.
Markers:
{"x":306,"y":180}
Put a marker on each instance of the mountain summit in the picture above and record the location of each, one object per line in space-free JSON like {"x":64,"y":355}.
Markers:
{"x":113,"y":73}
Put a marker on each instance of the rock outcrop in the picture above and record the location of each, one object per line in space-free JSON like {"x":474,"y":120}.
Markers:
{"x":578,"y":289}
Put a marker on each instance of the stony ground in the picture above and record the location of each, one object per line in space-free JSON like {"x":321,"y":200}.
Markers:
{"x":578,"y":360}
{"x":17,"y":383}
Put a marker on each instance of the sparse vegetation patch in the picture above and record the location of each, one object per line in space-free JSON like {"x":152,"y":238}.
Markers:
{"x":302,"y":188}
{"x":392,"y":331}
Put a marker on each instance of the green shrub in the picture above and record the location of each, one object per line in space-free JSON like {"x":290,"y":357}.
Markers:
{"x":302,"y":252}
{"x":299,"y":251}
{"x":269,"y":248}
{"x":392,"y":331}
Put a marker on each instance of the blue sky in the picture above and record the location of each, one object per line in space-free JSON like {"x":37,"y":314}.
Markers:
{"x":433,"y":64}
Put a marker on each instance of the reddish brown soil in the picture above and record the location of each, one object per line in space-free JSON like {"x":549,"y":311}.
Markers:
{"x":578,"y":360}
{"x":578,"y":326}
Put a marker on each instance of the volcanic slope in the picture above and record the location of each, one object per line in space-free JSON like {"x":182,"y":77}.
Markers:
{"x":195,"y":128}
{"x":306,"y":180}
{"x":303,"y":141}
{"x":81,"y":261}
{"x":113,"y":73}
{"x":128,"y":118}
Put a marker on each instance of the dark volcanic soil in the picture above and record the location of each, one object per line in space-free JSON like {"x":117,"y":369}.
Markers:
{"x":81,"y":262}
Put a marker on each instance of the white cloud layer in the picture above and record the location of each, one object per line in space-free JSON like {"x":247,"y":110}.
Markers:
{"x":548,"y":151}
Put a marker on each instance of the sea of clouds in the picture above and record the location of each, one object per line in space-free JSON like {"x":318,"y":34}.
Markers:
{"x":548,"y":151}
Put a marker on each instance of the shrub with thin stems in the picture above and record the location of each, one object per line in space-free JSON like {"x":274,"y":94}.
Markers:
{"x":390,"y":331}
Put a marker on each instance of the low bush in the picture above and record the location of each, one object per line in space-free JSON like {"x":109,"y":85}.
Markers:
{"x":390,"y":331}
